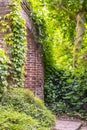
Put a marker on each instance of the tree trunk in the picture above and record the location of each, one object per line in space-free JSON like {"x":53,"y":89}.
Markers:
{"x":80,"y":29}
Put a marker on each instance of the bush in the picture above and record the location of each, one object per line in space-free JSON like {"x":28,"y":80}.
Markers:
{"x":13,"y":120}
{"x":24,"y":106}
{"x":65,"y":91}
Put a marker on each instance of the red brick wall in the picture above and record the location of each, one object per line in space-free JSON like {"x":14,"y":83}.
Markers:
{"x":40,"y":71}
{"x":34,"y":78}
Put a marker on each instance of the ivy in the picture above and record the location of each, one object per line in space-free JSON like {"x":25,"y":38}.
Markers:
{"x":66,"y":92}
{"x":17,"y":39}
{"x":43,"y":29}
{"x":4,"y":66}
{"x":14,"y":28}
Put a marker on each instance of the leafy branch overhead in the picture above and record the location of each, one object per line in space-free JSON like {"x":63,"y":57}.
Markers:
{"x":71,"y":14}
{"x":80,"y":18}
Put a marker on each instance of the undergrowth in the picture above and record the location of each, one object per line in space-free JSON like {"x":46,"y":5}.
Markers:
{"x":20,"y":110}
{"x":67,"y":92}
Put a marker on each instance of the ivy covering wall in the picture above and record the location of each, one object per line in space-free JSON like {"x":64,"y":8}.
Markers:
{"x":18,"y":44}
{"x":14,"y":27}
{"x":4,"y":65}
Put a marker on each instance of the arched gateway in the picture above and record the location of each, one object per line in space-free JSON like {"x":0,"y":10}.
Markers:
{"x":34,"y":78}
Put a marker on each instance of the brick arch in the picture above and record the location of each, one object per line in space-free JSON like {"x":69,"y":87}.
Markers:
{"x":34,"y":78}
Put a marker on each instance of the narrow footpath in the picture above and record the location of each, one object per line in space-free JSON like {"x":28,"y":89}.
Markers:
{"x":64,"y":124}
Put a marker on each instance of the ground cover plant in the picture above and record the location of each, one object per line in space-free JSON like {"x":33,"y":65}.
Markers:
{"x":20,"y":110}
{"x":67,"y":93}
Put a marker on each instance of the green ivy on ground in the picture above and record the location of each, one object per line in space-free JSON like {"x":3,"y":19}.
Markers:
{"x":20,"y":110}
{"x":66,"y":92}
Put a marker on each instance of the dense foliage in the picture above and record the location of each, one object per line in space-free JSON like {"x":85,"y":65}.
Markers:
{"x":60,"y":26}
{"x":20,"y":110}
{"x":56,"y":29}
{"x":66,"y":93}
{"x":14,"y":28}
{"x":17,"y":40}
{"x":62,"y":31}
{"x":4,"y":62}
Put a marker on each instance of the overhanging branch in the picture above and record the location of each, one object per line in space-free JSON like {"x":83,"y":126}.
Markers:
{"x":72,"y":15}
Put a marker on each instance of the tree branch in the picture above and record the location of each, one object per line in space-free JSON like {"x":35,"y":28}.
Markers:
{"x":72,"y":15}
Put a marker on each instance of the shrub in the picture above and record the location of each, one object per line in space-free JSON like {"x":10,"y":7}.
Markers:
{"x":13,"y":120}
{"x":23,"y":102}
{"x":65,"y":91}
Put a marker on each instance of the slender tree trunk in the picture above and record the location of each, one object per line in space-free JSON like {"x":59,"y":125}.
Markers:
{"x":80,"y":29}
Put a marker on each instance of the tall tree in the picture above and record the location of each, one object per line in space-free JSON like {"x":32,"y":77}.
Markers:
{"x":79,"y":17}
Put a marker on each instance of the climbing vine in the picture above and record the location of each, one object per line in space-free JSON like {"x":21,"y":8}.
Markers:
{"x":43,"y":30}
{"x":4,"y":64}
{"x":17,"y":39}
{"x":14,"y":28}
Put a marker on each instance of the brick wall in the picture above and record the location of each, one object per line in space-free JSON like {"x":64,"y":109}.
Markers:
{"x":34,"y":78}
{"x":40,"y":72}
